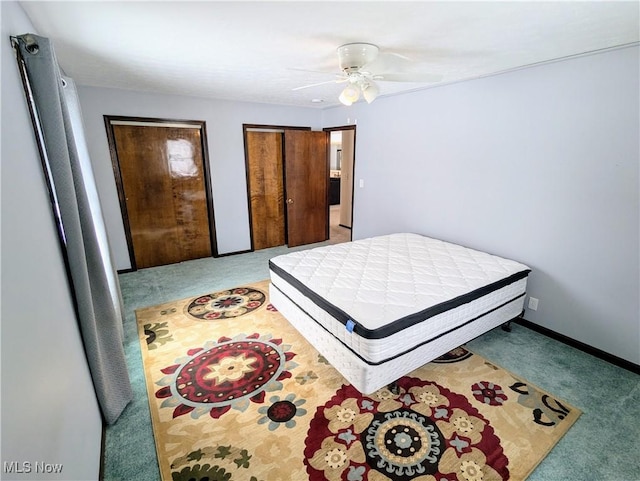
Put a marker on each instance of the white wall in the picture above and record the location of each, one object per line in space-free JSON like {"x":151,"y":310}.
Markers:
{"x":540,"y":165}
{"x":49,"y":410}
{"x":224,"y":121}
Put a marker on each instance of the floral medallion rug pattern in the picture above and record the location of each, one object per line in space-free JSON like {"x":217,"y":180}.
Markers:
{"x":236,"y":393}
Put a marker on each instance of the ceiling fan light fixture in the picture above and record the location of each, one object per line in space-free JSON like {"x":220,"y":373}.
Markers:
{"x":370,"y":91}
{"x":349,"y":95}
{"x":344,"y":100}
{"x":360,"y":68}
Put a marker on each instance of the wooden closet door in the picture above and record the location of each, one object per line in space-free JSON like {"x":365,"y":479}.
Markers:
{"x":163,"y":183}
{"x":266,"y":188}
{"x":307,"y":186}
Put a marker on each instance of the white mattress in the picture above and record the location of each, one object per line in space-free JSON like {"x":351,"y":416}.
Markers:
{"x":386,"y":298}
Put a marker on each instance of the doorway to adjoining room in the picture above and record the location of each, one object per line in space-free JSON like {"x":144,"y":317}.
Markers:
{"x":341,"y":160}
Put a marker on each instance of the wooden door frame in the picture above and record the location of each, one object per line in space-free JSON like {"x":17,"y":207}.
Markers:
{"x":115,"y":163}
{"x":245,"y":128}
{"x":353,"y":166}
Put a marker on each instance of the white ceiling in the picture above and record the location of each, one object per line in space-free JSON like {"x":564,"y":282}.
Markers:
{"x":260,"y":51}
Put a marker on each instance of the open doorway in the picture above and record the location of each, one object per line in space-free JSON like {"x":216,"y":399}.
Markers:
{"x":341,"y":168}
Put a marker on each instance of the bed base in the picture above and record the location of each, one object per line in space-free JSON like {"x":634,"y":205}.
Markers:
{"x":393,"y":386}
{"x":368,"y":378}
{"x":507,"y":325}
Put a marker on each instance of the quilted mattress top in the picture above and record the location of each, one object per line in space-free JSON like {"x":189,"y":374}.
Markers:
{"x":380,"y":281}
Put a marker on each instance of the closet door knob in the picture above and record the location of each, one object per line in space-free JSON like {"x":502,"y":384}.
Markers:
{"x":289,"y":201}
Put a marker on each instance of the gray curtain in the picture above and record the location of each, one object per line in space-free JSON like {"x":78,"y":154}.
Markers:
{"x":76,"y":206}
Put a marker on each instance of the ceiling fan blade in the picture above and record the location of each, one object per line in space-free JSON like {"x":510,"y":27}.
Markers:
{"x":389,"y":62}
{"x":408,"y":77}
{"x":399,"y":55}
{"x":324,"y":72}
{"x":337,"y":81}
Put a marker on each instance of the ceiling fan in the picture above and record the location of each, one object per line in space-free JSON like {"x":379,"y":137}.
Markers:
{"x":362,"y":65}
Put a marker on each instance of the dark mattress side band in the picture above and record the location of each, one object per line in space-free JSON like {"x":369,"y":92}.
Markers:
{"x":420,"y":344}
{"x":403,"y":322}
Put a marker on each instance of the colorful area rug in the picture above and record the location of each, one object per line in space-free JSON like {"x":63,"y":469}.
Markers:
{"x":236,"y":393}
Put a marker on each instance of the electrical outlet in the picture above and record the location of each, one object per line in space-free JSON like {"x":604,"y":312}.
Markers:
{"x":361,"y":183}
{"x":533,"y":303}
